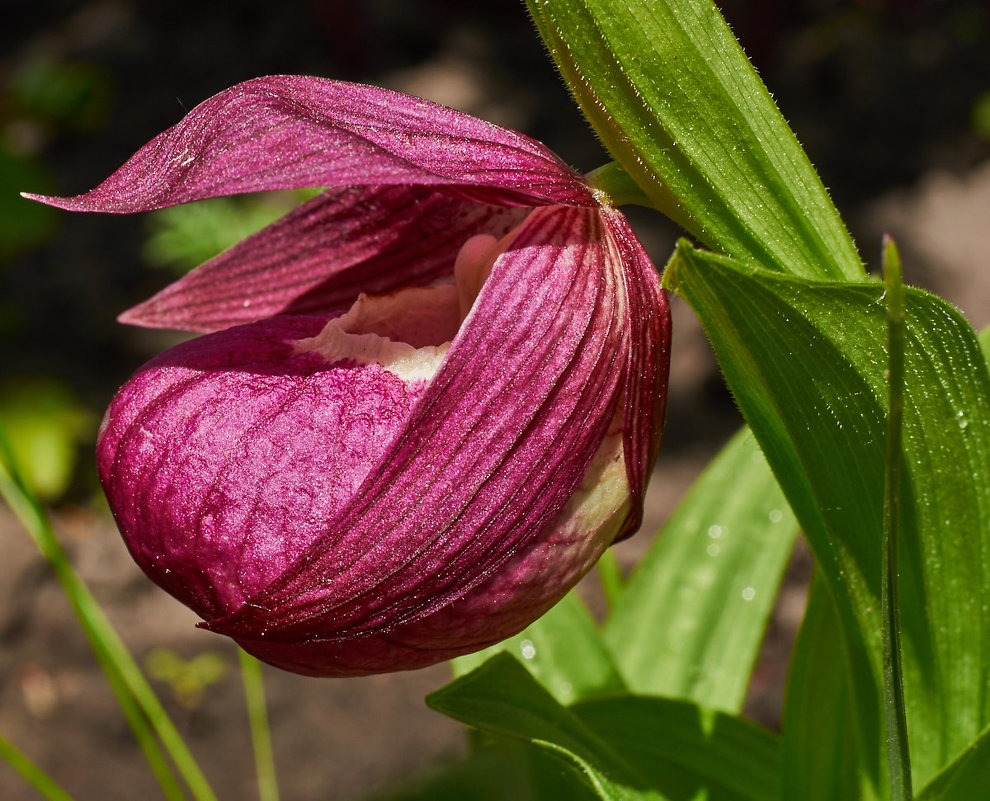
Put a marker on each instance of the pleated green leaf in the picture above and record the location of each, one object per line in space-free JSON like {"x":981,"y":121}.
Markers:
{"x":821,"y":753}
{"x":501,"y":697}
{"x":674,"y":99}
{"x":564,"y":650}
{"x":966,"y":779}
{"x":497,"y":770}
{"x":691,"y":619}
{"x":806,"y":361}
{"x":688,"y":751}
{"x":622,"y":747}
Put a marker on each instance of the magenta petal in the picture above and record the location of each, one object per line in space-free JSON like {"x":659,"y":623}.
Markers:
{"x":648,"y":317}
{"x":223,"y":458}
{"x":289,"y":131}
{"x":490,"y":455}
{"x":317,"y":258}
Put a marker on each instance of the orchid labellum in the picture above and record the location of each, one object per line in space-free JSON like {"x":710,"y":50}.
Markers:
{"x":425,"y":401}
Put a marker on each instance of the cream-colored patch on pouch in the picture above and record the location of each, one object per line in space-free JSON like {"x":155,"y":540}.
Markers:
{"x":408,"y":363}
{"x":418,"y":316}
{"x":408,"y":332}
{"x":393,"y":331}
{"x":601,"y":502}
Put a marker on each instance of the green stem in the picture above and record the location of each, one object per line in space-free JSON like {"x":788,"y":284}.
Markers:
{"x":261,"y":736}
{"x":123,"y":673}
{"x":34,"y":775}
{"x":895,"y":717}
{"x":617,"y":185}
{"x":143,"y":733}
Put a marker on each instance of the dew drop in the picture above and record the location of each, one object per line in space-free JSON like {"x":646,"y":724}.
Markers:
{"x":748,"y":593}
{"x":527,"y":649}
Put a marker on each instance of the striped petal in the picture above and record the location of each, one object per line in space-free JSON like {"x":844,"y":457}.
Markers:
{"x":319,"y":257}
{"x":290,"y":131}
{"x":491,"y":454}
{"x":648,"y":318}
{"x":461,"y":525}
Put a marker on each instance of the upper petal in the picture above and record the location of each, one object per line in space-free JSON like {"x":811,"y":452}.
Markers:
{"x":317,"y":258}
{"x":290,"y":131}
{"x":491,"y":453}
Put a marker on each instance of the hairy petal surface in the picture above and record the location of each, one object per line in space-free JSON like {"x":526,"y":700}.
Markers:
{"x":291,"y":131}
{"x":491,"y":454}
{"x":319,"y":257}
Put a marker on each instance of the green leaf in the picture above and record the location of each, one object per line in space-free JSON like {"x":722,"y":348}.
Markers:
{"x":820,"y":752}
{"x":499,"y":770}
{"x":563,"y":650}
{"x":967,"y":778}
{"x":623,"y":746}
{"x":502,"y":697}
{"x":678,"y":105}
{"x":687,"y":751}
{"x":692,"y":617}
{"x":985,"y":343}
{"x":806,"y":361}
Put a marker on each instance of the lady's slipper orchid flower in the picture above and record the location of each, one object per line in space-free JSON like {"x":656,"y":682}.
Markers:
{"x":426,"y":400}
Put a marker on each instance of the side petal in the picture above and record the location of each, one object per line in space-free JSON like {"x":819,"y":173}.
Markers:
{"x":291,"y":131}
{"x":648,"y":316}
{"x":492,"y":452}
{"x":317,"y":258}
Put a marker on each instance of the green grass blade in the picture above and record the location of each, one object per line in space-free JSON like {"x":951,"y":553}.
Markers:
{"x":261,"y":736}
{"x":693,"y":614}
{"x":674,"y":99}
{"x":116,"y":661}
{"x":35,"y":776}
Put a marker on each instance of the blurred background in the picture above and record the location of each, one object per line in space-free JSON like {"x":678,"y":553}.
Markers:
{"x":891,"y":98}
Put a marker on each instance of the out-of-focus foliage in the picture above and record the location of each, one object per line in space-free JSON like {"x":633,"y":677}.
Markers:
{"x":188,"y":678}
{"x":981,"y":115}
{"x":41,"y":98}
{"x":182,"y":237}
{"x":23,"y":225}
{"x":46,"y":423}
